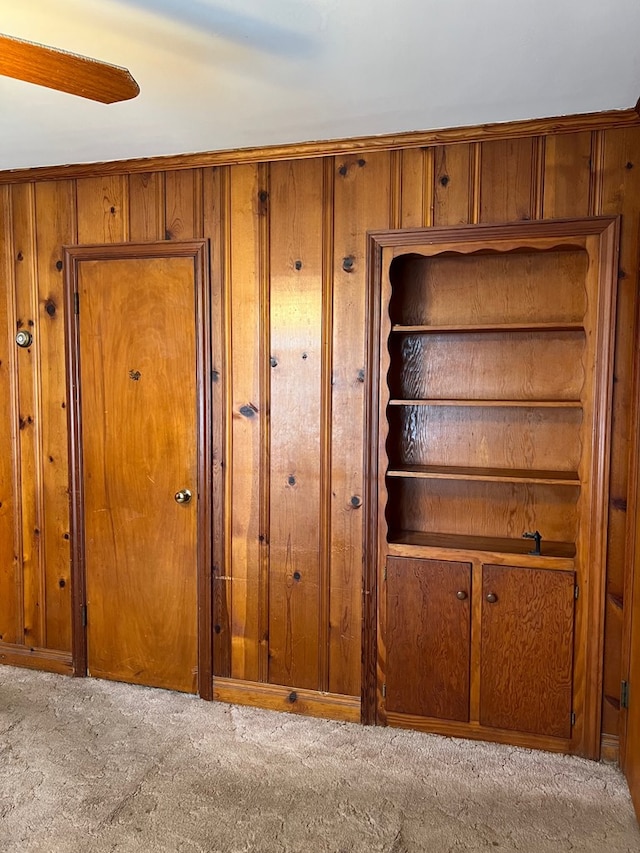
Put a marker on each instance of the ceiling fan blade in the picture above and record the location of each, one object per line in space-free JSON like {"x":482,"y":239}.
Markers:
{"x":67,"y":72}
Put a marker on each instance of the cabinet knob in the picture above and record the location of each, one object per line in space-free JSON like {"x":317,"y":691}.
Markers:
{"x":461,"y":595}
{"x":492,"y":597}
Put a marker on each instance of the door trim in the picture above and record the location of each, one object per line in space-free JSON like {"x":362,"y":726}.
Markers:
{"x":198,"y":250}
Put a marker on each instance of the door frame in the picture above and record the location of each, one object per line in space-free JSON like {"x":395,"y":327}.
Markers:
{"x":198,"y":251}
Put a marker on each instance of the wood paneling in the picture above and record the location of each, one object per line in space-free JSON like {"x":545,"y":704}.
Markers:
{"x":11,"y":574}
{"x":250,"y":211}
{"x":296,"y":306}
{"x":567,"y":175}
{"x":29,"y":399}
{"x":508,"y":180}
{"x":55,"y":225}
{"x":146,"y":206}
{"x":362,"y":198}
{"x":102,"y":209}
{"x":244,"y":352}
{"x":620,"y":180}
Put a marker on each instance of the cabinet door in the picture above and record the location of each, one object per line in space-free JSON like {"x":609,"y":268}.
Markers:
{"x":427,"y":638}
{"x":527,"y":649}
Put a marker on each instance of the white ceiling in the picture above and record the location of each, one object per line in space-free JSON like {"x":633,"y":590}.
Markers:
{"x":218,"y":74}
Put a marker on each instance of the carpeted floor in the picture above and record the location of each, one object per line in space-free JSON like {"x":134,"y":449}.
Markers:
{"x":88,"y":765}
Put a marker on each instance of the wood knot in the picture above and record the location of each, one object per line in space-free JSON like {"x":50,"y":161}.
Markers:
{"x":444,"y":180}
{"x":348,"y":263}
{"x":292,"y":697}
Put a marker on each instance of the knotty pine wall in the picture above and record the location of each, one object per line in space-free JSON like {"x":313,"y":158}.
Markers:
{"x":288,"y":293}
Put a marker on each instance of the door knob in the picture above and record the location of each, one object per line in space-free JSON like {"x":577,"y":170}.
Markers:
{"x":492,"y":597}
{"x":461,"y":595}
{"x":183,"y":496}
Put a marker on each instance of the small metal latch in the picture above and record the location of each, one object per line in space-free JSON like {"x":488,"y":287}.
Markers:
{"x":624,"y":694}
{"x":538,"y":538}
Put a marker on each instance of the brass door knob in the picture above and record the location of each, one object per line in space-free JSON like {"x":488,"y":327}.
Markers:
{"x":461,"y":595}
{"x":492,"y":597}
{"x":183,"y":496}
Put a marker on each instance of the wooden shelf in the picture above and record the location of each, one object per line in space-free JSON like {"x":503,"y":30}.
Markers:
{"x":527,"y":404}
{"x":428,"y":329}
{"x":498,"y":475}
{"x":456,"y":542}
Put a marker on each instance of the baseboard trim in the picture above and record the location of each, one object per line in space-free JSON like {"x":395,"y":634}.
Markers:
{"x":309,"y":703}
{"x":610,"y":749}
{"x":47,"y":660}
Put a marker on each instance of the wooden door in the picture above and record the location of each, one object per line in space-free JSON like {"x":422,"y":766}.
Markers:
{"x":137,"y":377}
{"x":428,"y":638}
{"x":527,"y":650}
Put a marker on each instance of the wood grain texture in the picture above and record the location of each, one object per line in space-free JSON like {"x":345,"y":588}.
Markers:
{"x":139,"y":447}
{"x":567,"y":175}
{"x":517,"y":438}
{"x":29,"y":415}
{"x":217,"y":218}
{"x":146,"y":206}
{"x":454,"y":184}
{"x":507,"y":182}
{"x":620,"y":192}
{"x":183,"y":204}
{"x":362,"y":197}
{"x":55,"y":227}
{"x":296,"y":306}
{"x":11,"y":575}
{"x":527,"y":650}
{"x":504,"y":288}
{"x":477,"y":366}
{"x":66,"y":72}
{"x":427,"y":638}
{"x":246,"y":412}
{"x":103,"y":209}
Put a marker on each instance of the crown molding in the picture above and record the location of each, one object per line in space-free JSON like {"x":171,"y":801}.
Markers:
{"x":335,"y":147}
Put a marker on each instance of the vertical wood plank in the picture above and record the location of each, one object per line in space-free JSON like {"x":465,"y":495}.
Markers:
{"x":146,"y":206}
{"x":414,"y":190}
{"x":11,"y":630}
{"x":362,"y":202}
{"x":508,"y":185}
{"x":28,"y":365}
{"x":296,"y":394}
{"x":243,"y":350}
{"x":453,"y":190}
{"x":183,"y":204}
{"x":567,"y":175}
{"x":216,"y":202}
{"x":102,"y":209}
{"x":620,"y":183}
{"x":55,"y":226}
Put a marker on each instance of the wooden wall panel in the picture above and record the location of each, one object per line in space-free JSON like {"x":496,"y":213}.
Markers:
{"x":508,"y":173}
{"x":362,"y":202}
{"x":416,"y":175}
{"x":620,"y":193}
{"x":295,"y":429}
{"x":454,"y":184}
{"x":29,"y":379}
{"x":183,"y":204}
{"x":567,"y":175}
{"x":55,"y":227}
{"x":146,"y":206}
{"x":216,"y":228}
{"x":102,"y":209}
{"x":260,"y":219}
{"x":10,"y":538}
{"x":247,"y":411}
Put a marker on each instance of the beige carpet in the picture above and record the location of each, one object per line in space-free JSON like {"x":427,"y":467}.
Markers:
{"x":88,"y":765}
